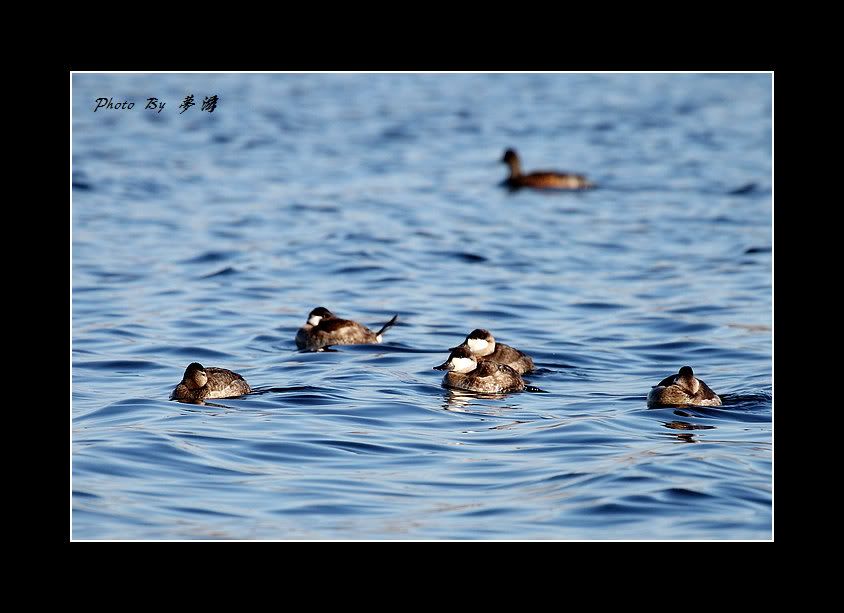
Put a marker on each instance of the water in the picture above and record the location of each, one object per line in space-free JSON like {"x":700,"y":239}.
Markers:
{"x":210,"y":236}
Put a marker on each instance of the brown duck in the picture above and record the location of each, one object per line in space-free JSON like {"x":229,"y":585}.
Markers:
{"x":483,"y":346}
{"x":466,"y":373}
{"x":199,"y":383}
{"x":543,"y":179}
{"x":324,"y":329}
{"x":682,"y":388}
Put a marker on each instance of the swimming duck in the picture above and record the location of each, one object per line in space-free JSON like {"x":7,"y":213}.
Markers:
{"x":483,"y":346}
{"x":465,"y":372}
{"x":199,"y":383}
{"x":683,"y":388}
{"x":324,"y":329}
{"x":542,"y":179}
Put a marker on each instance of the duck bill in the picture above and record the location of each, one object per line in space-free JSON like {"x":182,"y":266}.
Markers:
{"x":443,"y":366}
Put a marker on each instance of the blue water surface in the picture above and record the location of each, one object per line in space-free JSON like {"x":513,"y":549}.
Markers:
{"x":209,"y":236}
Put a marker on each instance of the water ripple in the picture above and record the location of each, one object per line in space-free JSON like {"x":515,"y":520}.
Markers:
{"x":209,"y":237}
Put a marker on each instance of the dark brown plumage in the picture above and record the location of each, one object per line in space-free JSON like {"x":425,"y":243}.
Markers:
{"x":324,"y":329}
{"x":543,"y":179}
{"x":465,"y":372}
{"x":199,"y":383}
{"x":491,"y":350}
{"x":682,"y":388}
{"x":488,"y":377}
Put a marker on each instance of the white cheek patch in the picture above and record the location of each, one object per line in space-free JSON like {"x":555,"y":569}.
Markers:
{"x":477,"y":345}
{"x":314,"y":320}
{"x":463,"y":364}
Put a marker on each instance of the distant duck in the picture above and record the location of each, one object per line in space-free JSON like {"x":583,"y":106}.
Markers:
{"x":324,"y":329}
{"x":683,"y":388}
{"x":542,"y":179}
{"x":483,"y":346}
{"x":199,"y":383}
{"x":466,"y":373}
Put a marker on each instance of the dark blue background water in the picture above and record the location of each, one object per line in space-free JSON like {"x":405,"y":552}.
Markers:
{"x":209,"y":236}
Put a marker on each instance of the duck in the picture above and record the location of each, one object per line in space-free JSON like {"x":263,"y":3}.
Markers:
{"x":466,"y":373}
{"x":543,"y":179}
{"x":483,"y":346}
{"x":323,"y":329}
{"x":683,"y":388}
{"x":199,"y":383}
